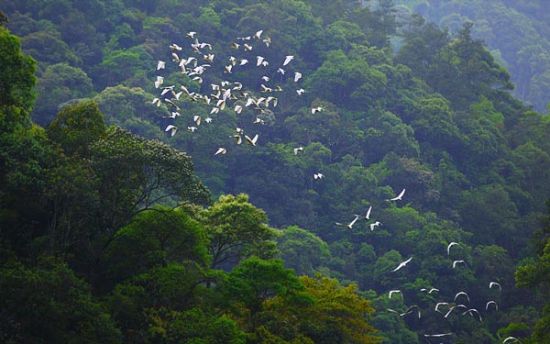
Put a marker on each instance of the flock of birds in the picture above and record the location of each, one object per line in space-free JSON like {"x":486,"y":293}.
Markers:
{"x":233,"y":95}
{"x":226,"y":94}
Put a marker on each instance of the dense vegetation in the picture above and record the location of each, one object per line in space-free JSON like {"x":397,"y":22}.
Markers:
{"x":107,"y":234}
{"x":516,"y":31}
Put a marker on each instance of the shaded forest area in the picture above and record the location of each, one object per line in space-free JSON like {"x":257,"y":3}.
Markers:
{"x":516,"y":31}
{"x":112,"y":231}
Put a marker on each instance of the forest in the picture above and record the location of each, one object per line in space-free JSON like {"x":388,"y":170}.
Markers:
{"x":393,"y":189}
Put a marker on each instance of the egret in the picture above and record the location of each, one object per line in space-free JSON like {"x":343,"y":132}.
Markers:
{"x":221,"y":150}
{"x":491,"y":303}
{"x":456,"y":262}
{"x":172,"y":129}
{"x":495,"y":284}
{"x":398,"y":197}
{"x":161,"y":65}
{"x":350,"y":225}
{"x":374,"y":225}
{"x":316,"y":109}
{"x":402,"y":264}
{"x":251,"y":141}
{"x":393,"y":292}
{"x":288,"y":59}
{"x":453,"y":243}
{"x":298,"y":149}
{"x":367,"y":215}
{"x":300,"y":91}
{"x":460,"y":293}
{"x":297,"y":76}
{"x":318,"y":176}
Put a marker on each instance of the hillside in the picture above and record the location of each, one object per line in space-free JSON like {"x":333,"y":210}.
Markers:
{"x":161,"y":240}
{"x":516,"y":32}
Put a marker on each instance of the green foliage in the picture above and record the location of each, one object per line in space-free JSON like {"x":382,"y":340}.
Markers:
{"x":406,"y":105}
{"x":76,"y":127}
{"x":17,"y":74}
{"x":58,"y":84}
{"x":48,"y":303}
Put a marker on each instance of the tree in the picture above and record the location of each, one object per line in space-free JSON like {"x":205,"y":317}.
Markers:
{"x":48,"y":303}
{"x":302,"y":251}
{"x":76,"y":127}
{"x":237,"y":230}
{"x":58,"y":84}
{"x":17,"y":74}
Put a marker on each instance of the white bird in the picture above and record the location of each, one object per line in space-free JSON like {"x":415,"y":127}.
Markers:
{"x":297,"y":76}
{"x":350,"y":225}
{"x":491,"y":303}
{"x":159,"y":81}
{"x":209,"y":58}
{"x":247,"y":47}
{"x":161,"y":65}
{"x":197,"y":119}
{"x":176,"y":47}
{"x":453,"y":243}
{"x":393,"y":292}
{"x":288,"y":59}
{"x":281,"y":71}
{"x":192,"y":129}
{"x":495,"y":284}
{"x":251,"y":141}
{"x":156,"y":101}
{"x":214,"y":110}
{"x":238,"y":108}
{"x":265,"y":78}
{"x":239,"y":139}
{"x":316,"y":109}
{"x":208,"y":120}
{"x":429,"y":291}
{"x":318,"y":176}
{"x":410,"y":310}
{"x":298,"y":149}
{"x":172,"y":129}
{"x":174,"y":115}
{"x":267,"y":41}
{"x":460,"y":293}
{"x":191,"y":34}
{"x":235,"y":45}
{"x":471,"y":311}
{"x":398,"y":197}
{"x":509,"y":339}
{"x":259,"y":60}
{"x":243,"y":62}
{"x":221,"y":150}
{"x":402,"y":264}
{"x":258,"y":121}
{"x":437,"y":305}
{"x":374,"y":225}
{"x":367,"y":215}
{"x":459,"y":261}
{"x":258,"y":34}
{"x":452,"y":309}
{"x":300,"y":91}
{"x":266,"y":89}
{"x":228,"y":68}
{"x":438,"y":335}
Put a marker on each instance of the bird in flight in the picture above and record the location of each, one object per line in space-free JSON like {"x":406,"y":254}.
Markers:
{"x":288,"y":59}
{"x":495,"y":284}
{"x":374,"y":225}
{"x":453,"y":243}
{"x":398,"y":197}
{"x":221,"y":150}
{"x":402,"y":264}
{"x":459,"y":261}
{"x":350,"y":225}
{"x":393,"y":292}
{"x":367,"y":215}
{"x":298,"y":150}
{"x":491,"y":303}
{"x":172,"y":129}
